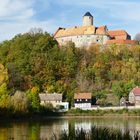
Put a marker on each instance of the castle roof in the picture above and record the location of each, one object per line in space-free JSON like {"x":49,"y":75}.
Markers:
{"x":113,"y":33}
{"x":81,"y":30}
{"x":88,"y":14}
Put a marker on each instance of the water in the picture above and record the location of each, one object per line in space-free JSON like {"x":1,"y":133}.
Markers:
{"x":51,"y":128}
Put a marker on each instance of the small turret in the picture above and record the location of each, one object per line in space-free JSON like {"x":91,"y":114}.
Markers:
{"x":87,"y":19}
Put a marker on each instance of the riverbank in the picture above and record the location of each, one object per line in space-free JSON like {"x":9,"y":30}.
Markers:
{"x":74,"y":113}
{"x":111,"y":112}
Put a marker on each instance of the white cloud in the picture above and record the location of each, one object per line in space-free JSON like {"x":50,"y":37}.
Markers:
{"x":9,"y":30}
{"x":16,"y":16}
{"x":16,"y":9}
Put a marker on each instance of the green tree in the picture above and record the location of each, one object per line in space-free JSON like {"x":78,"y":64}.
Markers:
{"x":122,"y":88}
{"x":34,"y":99}
{"x":4,"y":96}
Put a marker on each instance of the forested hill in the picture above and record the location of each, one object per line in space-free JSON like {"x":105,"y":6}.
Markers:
{"x":35,"y":60}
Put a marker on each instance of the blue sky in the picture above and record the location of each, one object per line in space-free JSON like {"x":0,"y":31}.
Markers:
{"x":19,"y":16}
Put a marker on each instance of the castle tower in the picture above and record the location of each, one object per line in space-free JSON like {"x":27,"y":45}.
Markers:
{"x":87,"y":19}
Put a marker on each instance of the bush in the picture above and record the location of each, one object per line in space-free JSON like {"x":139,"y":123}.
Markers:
{"x":20,"y":102}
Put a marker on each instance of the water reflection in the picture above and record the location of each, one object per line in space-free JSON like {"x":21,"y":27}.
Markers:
{"x":50,"y":129}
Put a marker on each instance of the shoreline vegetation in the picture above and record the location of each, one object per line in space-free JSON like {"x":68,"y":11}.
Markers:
{"x":73,"y":113}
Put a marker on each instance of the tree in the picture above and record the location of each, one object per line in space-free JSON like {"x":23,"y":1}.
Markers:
{"x":100,"y":97}
{"x":4,"y":96}
{"x":122,"y":88}
{"x":34,"y":99}
{"x":137,"y":37}
{"x":3,"y":74}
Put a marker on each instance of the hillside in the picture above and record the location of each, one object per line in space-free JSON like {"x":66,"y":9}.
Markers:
{"x":35,"y":60}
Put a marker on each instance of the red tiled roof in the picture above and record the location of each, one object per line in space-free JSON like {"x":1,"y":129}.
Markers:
{"x":101,"y":30}
{"x":113,"y":33}
{"x":82,"y":96}
{"x":136,"y":91}
{"x":121,"y":42}
{"x":79,"y":30}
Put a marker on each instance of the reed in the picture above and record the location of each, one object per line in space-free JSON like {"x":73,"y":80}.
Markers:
{"x":98,"y":133}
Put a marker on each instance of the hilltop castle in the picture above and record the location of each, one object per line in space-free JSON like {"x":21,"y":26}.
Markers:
{"x":89,"y":34}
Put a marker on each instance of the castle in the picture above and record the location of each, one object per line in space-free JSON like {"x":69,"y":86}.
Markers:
{"x":89,"y":34}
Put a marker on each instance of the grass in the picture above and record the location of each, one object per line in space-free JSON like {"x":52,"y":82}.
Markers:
{"x":79,"y":112}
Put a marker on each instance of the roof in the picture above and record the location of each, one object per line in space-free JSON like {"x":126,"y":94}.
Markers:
{"x":88,"y":14}
{"x":79,"y":30}
{"x":113,"y":33}
{"x":82,"y":96}
{"x":136,"y":91}
{"x":121,"y":42}
{"x":50,"y":97}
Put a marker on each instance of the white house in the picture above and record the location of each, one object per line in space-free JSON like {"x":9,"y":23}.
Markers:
{"x":55,"y":99}
{"x":82,"y":100}
{"x":134,"y":96}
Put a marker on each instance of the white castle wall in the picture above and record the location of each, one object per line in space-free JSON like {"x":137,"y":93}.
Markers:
{"x":84,"y":40}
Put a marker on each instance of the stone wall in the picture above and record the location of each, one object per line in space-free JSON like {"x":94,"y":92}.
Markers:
{"x":84,"y":40}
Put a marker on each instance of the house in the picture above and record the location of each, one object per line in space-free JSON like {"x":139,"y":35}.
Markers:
{"x":82,"y":100}
{"x":134,"y":96}
{"x":55,"y":99}
{"x":89,"y":34}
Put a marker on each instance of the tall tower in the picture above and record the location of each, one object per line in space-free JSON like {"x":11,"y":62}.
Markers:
{"x":87,"y":19}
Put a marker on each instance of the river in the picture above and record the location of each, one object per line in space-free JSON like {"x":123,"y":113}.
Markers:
{"x":50,"y":128}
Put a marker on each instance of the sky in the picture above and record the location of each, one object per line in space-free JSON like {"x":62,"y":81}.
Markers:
{"x":19,"y":16}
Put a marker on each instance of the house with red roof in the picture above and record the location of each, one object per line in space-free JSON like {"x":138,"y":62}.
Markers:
{"x":83,"y":100}
{"x":134,"y":96}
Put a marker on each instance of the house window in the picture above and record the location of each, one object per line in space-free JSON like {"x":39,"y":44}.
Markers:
{"x":80,"y":99}
{"x":86,"y":99}
{"x":77,"y":100}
